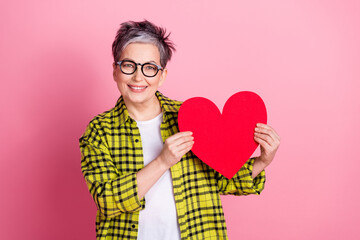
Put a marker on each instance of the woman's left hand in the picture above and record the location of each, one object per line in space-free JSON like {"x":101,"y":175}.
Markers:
{"x":269,"y":142}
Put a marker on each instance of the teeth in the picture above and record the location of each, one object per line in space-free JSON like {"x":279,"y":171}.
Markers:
{"x":137,"y":88}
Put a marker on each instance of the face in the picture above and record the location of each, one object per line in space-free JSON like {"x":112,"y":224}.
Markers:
{"x":136,"y":88}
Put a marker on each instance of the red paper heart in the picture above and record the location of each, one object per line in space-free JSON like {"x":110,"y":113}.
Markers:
{"x":223,"y":141}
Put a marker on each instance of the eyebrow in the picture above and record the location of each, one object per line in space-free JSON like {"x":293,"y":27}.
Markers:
{"x":152,"y":61}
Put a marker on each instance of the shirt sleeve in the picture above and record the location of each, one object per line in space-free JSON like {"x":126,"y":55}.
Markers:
{"x":242,"y":183}
{"x":112,"y":192}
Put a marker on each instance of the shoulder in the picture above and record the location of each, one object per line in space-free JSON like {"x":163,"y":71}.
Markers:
{"x":168,"y":104}
{"x":104,"y":118}
{"x":99,"y":125}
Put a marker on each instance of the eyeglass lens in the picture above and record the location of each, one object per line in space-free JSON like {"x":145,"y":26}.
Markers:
{"x":129,"y":67}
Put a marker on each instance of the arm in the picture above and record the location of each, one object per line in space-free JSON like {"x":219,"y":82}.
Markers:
{"x":242,"y":183}
{"x":174,"y":148}
{"x":115,"y":193}
{"x":269,"y":142}
{"x":258,"y":167}
{"x":251,"y":177}
{"x":112,"y":192}
{"x":149,"y":175}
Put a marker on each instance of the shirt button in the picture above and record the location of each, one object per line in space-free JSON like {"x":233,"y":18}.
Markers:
{"x":136,"y":140}
{"x":133,"y":226}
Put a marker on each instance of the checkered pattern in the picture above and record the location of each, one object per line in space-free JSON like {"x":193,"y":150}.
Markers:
{"x":111,"y":151}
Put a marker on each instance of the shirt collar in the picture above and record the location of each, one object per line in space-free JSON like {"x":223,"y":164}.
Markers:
{"x":121,"y":114}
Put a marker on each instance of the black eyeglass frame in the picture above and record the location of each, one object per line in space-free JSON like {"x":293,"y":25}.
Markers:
{"x":142,"y":67}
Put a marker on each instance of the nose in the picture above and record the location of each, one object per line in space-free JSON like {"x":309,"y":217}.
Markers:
{"x":138,"y":75}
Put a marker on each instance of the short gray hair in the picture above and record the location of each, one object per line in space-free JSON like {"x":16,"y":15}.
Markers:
{"x":143,"y":32}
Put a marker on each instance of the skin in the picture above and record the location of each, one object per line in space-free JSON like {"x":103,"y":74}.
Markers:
{"x":141,"y":106}
{"x":269,"y":142}
{"x":144,"y":106}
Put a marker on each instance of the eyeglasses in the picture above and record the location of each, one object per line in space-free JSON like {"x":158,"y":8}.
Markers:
{"x":148,"y":69}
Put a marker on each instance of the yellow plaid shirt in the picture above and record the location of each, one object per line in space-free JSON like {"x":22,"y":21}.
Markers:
{"x":111,"y":152}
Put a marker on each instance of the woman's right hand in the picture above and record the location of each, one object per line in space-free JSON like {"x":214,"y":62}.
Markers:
{"x":175,"y":147}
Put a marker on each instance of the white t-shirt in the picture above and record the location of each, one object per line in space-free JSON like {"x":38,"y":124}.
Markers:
{"x":159,"y":219}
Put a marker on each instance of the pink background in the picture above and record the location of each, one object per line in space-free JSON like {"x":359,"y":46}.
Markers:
{"x":301,"y":57}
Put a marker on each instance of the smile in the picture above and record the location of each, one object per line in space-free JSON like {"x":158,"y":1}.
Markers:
{"x":137,"y":88}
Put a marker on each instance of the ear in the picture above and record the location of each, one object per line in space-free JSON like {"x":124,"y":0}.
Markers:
{"x":162,"y":77}
{"x":114,"y":65}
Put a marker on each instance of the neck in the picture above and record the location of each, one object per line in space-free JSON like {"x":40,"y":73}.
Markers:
{"x":144,"y":111}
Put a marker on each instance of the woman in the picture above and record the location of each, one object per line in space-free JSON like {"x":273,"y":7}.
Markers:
{"x":144,"y":179}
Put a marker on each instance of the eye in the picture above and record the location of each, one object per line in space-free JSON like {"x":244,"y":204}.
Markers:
{"x":151,"y":67}
{"x":128,"y":65}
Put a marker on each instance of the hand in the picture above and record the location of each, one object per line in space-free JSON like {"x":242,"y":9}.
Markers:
{"x":269,"y":142}
{"x":175,"y":147}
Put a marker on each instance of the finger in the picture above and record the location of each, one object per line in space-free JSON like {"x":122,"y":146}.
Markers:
{"x":182,"y":140}
{"x":264,"y":126}
{"x":277,"y":135}
{"x":268,"y":127}
{"x":185,"y":151}
{"x":184,"y":146}
{"x":261,"y":125}
{"x":179,"y":135}
{"x":262,"y":142}
{"x":269,"y":131}
{"x":269,"y":140}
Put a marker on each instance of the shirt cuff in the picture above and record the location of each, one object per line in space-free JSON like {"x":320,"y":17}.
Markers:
{"x":126,"y":195}
{"x":259,"y":181}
